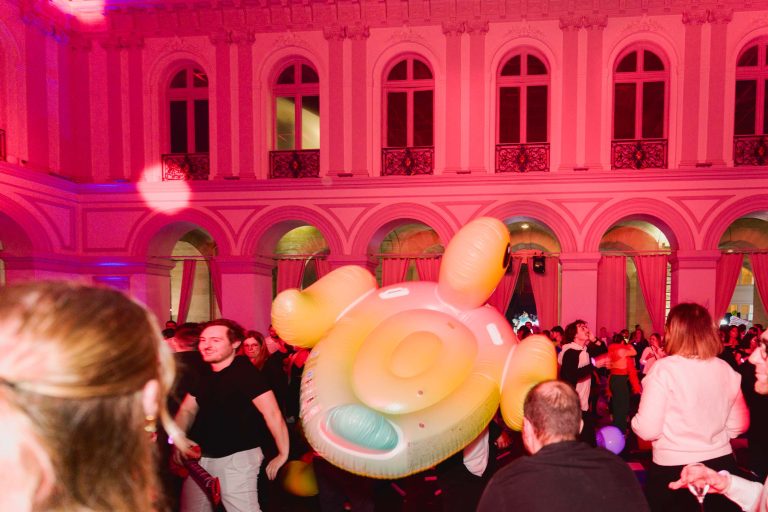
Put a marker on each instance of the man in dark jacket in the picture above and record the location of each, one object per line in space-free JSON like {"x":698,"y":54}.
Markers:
{"x":562,"y":474}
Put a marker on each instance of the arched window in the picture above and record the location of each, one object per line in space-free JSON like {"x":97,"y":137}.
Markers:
{"x":409,"y":102}
{"x":750,"y":123}
{"x":188,"y":125}
{"x":523,"y":113}
{"x":296,"y":93}
{"x":640,"y":83}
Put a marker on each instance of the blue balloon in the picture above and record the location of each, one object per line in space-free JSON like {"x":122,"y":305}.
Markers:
{"x":610,"y":438}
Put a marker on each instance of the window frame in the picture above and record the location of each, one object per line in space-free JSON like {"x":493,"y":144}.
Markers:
{"x":523,"y":81}
{"x":759,"y":74}
{"x":297,"y":91}
{"x":640,"y":77}
{"x":409,"y":86}
{"x":188,"y":94}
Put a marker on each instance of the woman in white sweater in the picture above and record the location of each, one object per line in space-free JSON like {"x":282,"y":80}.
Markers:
{"x":690,"y":409}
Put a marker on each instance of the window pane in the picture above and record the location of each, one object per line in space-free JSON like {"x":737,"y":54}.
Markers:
{"x":178,"y":126}
{"x":765,"y":106}
{"x":748,"y":58}
{"x":287,"y":76}
{"x":535,"y":66}
{"x":399,"y":72}
{"x":421,"y":71}
{"x":628,"y":63}
{"x":422,"y":118}
{"x":746,"y":107}
{"x":512,"y":67}
{"x":653,"y":110}
{"x":180,"y":80}
{"x":199,"y":79}
{"x":397,"y":115}
{"x":536,"y":124}
{"x":652,"y":62}
{"x":310,"y":122}
{"x":285,"y":121}
{"x":509,"y":115}
{"x":308,"y":75}
{"x":201,"y":126}
{"x":624,"y":111}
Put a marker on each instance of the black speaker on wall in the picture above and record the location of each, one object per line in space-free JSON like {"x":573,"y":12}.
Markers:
{"x":538,"y":264}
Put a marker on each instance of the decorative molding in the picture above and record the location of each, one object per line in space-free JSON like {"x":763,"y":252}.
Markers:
{"x":177,"y":44}
{"x":220,"y":37}
{"x":595,"y":21}
{"x":407,"y":34}
{"x":694,"y":16}
{"x":453,"y":28}
{"x":477,"y":27}
{"x":243,"y":37}
{"x":721,"y":15}
{"x":358,"y":31}
{"x":524,"y":30}
{"x":644,"y":24}
{"x":335,"y":32}
{"x":571,"y":22}
{"x":289,"y":39}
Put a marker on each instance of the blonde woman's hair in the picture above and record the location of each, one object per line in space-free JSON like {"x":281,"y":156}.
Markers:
{"x":690,"y":332}
{"x":74,"y":362}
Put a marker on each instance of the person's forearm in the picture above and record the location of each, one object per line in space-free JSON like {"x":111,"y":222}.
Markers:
{"x":743,"y":492}
{"x":279,"y":430}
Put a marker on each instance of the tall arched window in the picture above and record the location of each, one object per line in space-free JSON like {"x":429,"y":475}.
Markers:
{"x":523,"y":113}
{"x":640,"y":83}
{"x":296,"y":147}
{"x":188,"y":125}
{"x":750,"y":123}
{"x":409,"y":102}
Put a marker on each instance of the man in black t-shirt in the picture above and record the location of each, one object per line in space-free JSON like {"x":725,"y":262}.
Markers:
{"x":224,"y":409}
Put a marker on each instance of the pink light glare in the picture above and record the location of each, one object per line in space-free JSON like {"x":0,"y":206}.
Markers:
{"x":167,"y":197}
{"x":87,"y":12}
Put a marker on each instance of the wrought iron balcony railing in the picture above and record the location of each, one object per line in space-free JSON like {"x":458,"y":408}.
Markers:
{"x":750,"y":150}
{"x":186,"y":166}
{"x":522,"y":157}
{"x":300,"y":163}
{"x":407,"y":161}
{"x":3,"y":153}
{"x":639,"y":154}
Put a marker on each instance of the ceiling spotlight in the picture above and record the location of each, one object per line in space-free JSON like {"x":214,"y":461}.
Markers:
{"x":524,"y":225}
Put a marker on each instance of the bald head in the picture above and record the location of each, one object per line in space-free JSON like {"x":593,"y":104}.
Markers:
{"x":553,"y":411}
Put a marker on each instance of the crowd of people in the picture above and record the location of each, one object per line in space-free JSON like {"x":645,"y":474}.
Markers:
{"x":87,"y":396}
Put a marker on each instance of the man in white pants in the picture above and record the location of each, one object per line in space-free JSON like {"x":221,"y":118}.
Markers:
{"x":227,"y":410}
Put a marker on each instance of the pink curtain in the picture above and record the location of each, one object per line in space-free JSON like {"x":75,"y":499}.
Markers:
{"x":289,"y":273}
{"x":393,"y":270}
{"x":322,"y":267}
{"x":612,"y":293}
{"x":503,"y":293}
{"x":728,"y":269}
{"x":545,"y":291}
{"x":215,"y":271}
{"x":760,"y":271}
{"x":185,"y":296}
{"x":428,"y":268}
{"x":652,"y":275}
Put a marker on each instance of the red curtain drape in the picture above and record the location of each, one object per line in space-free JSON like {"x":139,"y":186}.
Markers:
{"x":185,"y":295}
{"x":503,"y":293}
{"x":652,"y":275}
{"x":612,"y":293}
{"x":760,"y":271}
{"x":545,"y":291}
{"x":215,"y":271}
{"x":289,"y":273}
{"x":727,"y":274}
{"x":428,"y":268}
{"x":322,"y":267}
{"x":393,"y":270}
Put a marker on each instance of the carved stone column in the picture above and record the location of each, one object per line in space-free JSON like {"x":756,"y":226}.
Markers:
{"x":570,"y":26}
{"x":716,"y":143}
{"x":359,"y":88}
{"x":453,"y":31}
{"x":593,"y":156}
{"x":693,"y":19}
{"x":244,"y":40}
{"x":477,"y":31}
{"x":335,"y":35}
{"x":222,"y":149}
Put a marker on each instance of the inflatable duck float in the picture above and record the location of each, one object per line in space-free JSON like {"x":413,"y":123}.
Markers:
{"x":400,"y":378}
